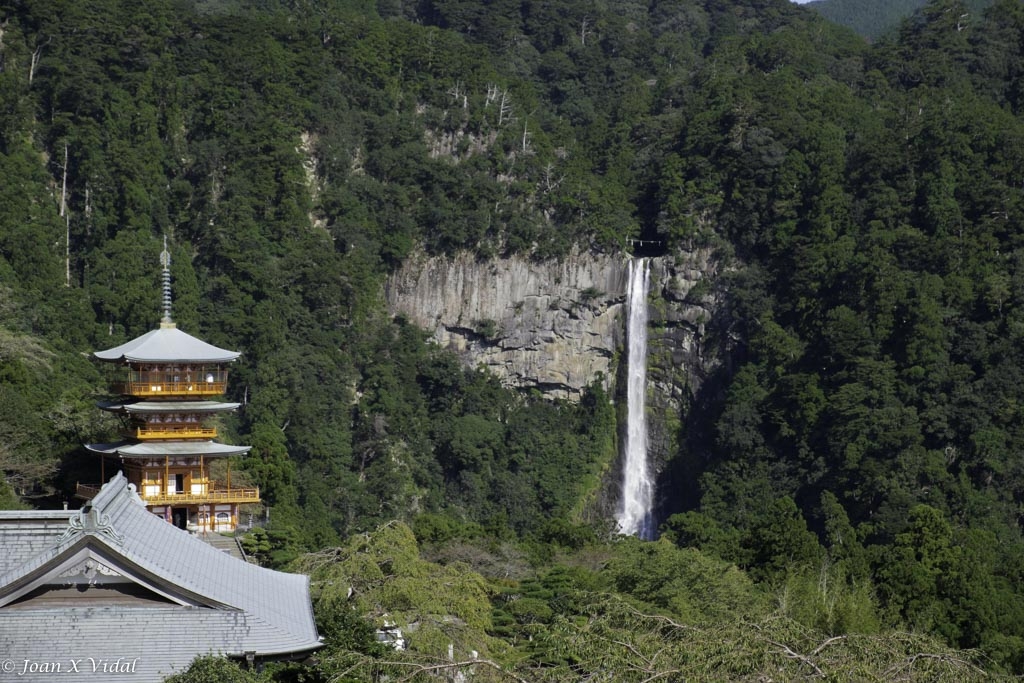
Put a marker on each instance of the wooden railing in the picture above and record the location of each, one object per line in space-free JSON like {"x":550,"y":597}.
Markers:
{"x":170,"y":432}
{"x":223,"y":496}
{"x":240,"y":495}
{"x":87,"y":492}
{"x":159,"y":388}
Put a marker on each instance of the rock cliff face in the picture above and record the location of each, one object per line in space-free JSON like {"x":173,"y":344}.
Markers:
{"x":681,"y":354}
{"x":554,"y":325}
{"x":558,"y":326}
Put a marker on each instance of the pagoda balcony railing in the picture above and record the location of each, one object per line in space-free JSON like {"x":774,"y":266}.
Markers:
{"x":222,"y":496}
{"x":239,"y":495}
{"x":161,"y":388}
{"x":170,"y":432}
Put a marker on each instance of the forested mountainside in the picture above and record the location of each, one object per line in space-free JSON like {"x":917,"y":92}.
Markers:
{"x":850,"y":474}
{"x":869,"y":18}
{"x":876,"y":18}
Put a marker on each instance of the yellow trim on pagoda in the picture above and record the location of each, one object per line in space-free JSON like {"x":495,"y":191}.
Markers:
{"x":167,"y":432}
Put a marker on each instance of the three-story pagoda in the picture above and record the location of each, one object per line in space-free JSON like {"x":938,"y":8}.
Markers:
{"x":167,"y":395}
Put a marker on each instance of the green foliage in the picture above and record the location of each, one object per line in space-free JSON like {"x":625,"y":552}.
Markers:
{"x":440,"y":528}
{"x":869,"y":19}
{"x":699,"y":530}
{"x":486,"y":328}
{"x":780,"y":541}
{"x":274,"y":546}
{"x":210,"y":669}
{"x":682,"y":581}
{"x":8,"y":499}
{"x":829,"y":600}
{"x":679,"y":614}
{"x":384,"y":577}
{"x":948,"y":582}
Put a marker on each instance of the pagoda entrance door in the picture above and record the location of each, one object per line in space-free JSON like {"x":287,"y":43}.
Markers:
{"x":180,"y":517}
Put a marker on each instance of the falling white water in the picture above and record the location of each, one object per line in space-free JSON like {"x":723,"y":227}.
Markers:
{"x":634,"y":516}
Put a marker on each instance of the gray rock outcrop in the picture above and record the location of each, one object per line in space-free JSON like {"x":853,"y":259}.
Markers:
{"x":553,"y":325}
{"x":557,"y":325}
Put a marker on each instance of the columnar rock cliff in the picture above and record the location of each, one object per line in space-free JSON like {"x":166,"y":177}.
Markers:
{"x":553,"y":325}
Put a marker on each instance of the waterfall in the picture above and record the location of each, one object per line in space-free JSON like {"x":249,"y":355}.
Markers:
{"x":634,"y":516}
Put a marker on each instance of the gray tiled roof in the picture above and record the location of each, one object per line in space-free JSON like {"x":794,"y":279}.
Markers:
{"x":227,"y":606}
{"x":25,"y":534}
{"x":169,"y":406}
{"x":134,"y":449}
{"x":167,"y":344}
{"x":161,"y":640}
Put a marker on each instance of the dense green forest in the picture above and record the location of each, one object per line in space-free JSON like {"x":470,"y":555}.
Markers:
{"x":849,"y":496}
{"x":874,"y":19}
{"x":869,"y":18}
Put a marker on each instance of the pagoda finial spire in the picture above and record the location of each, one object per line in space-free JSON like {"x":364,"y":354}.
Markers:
{"x":165,"y":261}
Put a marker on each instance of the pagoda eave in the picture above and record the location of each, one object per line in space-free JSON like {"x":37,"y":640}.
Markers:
{"x":135,"y":449}
{"x":167,"y":345}
{"x":156,"y":407}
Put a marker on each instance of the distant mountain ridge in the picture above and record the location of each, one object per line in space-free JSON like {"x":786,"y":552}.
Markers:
{"x":873,"y":18}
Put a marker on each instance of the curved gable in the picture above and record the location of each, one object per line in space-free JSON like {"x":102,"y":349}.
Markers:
{"x":87,"y":562}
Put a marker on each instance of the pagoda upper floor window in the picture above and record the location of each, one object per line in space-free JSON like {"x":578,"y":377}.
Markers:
{"x":174,"y":380}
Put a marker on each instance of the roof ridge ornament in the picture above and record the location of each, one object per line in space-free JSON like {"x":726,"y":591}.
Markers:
{"x":89,"y":520}
{"x":165,"y":262}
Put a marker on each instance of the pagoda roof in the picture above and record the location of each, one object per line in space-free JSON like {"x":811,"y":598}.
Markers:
{"x":148,"y":449}
{"x":167,"y":344}
{"x":147,"y":407}
{"x":113,"y":582}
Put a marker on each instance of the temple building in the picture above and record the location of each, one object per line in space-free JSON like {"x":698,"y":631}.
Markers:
{"x":166,"y":395}
{"x":113,"y":593}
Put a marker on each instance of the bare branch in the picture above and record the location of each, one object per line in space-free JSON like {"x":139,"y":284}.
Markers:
{"x":67,"y":218}
{"x":585,"y":30}
{"x":34,"y":62}
{"x":947,"y":659}
{"x":796,"y":655}
{"x":828,"y":642}
{"x":636,"y":653}
{"x":504,"y":108}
